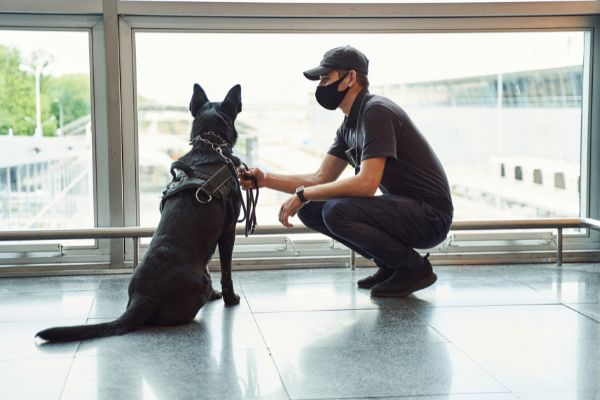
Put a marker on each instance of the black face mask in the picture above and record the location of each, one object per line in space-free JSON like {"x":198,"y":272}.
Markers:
{"x":329,"y":97}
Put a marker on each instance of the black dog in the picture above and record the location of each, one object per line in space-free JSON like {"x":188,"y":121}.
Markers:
{"x":172,"y":282}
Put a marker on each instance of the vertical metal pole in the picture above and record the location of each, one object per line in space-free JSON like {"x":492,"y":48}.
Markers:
{"x":352,"y":260}
{"x":136,"y":251}
{"x":559,"y":247}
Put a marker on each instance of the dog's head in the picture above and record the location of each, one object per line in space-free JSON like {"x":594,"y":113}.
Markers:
{"x":216,"y":117}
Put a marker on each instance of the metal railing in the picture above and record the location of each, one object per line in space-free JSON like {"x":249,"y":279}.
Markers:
{"x":136,"y":233}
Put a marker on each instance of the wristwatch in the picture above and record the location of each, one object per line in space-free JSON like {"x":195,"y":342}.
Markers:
{"x":300,"y":194}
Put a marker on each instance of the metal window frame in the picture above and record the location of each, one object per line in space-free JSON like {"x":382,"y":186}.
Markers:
{"x":92,"y":25}
{"x":130,"y":25}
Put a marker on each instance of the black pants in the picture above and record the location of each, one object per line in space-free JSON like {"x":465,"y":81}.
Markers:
{"x":384,"y":228}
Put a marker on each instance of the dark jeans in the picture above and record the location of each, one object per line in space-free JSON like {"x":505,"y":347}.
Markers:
{"x":384,"y":228}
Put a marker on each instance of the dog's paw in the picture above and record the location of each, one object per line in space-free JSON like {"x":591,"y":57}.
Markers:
{"x":231,"y":299}
{"x":215,"y":295}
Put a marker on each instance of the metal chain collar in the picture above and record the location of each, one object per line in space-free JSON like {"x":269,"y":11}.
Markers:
{"x":217,"y":147}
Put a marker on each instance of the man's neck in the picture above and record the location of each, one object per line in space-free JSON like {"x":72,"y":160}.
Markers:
{"x":346,"y":104}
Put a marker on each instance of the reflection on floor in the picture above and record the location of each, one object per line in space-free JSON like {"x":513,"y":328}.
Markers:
{"x":485,"y":332}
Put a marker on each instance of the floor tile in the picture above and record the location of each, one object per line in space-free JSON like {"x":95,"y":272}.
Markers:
{"x":49,"y":284}
{"x":480,"y":333}
{"x":304,"y":275}
{"x":190,"y":374}
{"x":573,"y":395}
{"x":519,"y":324}
{"x":466,"y":292}
{"x":110,"y":300}
{"x":478,"y":396}
{"x":540,"y":365}
{"x":401,"y":370}
{"x":17,"y":340}
{"x":345,"y":328}
{"x":207,"y":333}
{"x":45,"y":306}
{"x":318,"y":296}
{"x":112,"y":297}
{"x":569,"y":287}
{"x":508,"y":271}
{"x":33,"y":379}
{"x":591,"y":311}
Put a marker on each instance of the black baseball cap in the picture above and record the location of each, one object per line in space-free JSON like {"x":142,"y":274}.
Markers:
{"x":345,"y":57}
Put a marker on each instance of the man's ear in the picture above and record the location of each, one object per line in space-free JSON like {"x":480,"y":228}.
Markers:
{"x":198,"y":99}
{"x":352,"y":76}
{"x":232,"y":104}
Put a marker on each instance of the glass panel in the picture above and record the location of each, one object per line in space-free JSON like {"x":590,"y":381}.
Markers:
{"x":46,"y":174}
{"x":502,"y":110}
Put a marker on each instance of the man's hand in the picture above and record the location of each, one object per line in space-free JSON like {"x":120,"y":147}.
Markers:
{"x":289,"y":209}
{"x":244,"y":176}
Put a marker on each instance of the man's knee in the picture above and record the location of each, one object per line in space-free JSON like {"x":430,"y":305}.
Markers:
{"x":310,"y":214}
{"x":335,"y":212}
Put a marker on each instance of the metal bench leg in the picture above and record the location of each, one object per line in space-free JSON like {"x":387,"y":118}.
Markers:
{"x":136,"y":251}
{"x":559,"y":247}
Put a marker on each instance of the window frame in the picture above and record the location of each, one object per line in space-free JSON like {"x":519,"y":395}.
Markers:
{"x":96,"y":254}
{"x":495,"y":249}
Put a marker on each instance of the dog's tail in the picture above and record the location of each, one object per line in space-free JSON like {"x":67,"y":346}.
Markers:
{"x":137,"y":314}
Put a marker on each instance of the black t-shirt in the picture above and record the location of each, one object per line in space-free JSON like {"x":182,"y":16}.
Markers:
{"x":383,"y":129}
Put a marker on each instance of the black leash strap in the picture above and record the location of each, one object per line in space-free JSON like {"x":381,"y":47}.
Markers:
{"x":249,"y":208}
{"x":251,"y":203}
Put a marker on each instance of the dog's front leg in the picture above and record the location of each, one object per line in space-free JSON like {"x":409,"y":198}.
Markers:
{"x":226,"y":242}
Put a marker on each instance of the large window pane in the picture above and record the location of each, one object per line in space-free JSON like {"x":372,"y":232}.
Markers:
{"x":46,"y":178}
{"x":502,"y":110}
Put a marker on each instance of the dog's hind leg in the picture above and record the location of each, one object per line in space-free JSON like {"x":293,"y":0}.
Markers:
{"x":226,"y":242}
{"x":216,"y":295}
{"x":182,"y":307}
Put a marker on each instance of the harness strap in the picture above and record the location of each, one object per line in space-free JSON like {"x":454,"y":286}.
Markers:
{"x":206,"y":185}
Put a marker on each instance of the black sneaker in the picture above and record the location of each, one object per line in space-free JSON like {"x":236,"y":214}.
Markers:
{"x":380,"y":275}
{"x":402,"y":283}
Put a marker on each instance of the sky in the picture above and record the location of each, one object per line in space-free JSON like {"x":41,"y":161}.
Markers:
{"x":69,"y":50}
{"x":269,"y":66}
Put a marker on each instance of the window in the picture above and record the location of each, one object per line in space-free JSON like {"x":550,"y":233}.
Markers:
{"x":485,"y":101}
{"x":46,"y":172}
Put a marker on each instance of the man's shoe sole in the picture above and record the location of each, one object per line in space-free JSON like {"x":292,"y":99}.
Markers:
{"x":430,"y":280}
{"x":367,"y":286}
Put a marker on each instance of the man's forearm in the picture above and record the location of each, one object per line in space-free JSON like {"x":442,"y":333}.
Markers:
{"x":352,"y":186}
{"x":289,"y":183}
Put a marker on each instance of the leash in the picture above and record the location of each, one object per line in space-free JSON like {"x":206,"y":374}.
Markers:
{"x":249,"y":209}
{"x":251,"y":201}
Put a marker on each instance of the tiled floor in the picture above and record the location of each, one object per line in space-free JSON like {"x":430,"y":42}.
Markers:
{"x":527,"y":332}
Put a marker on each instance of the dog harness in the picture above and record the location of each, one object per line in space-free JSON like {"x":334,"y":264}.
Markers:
{"x":213,"y":181}
{"x":208,"y":185}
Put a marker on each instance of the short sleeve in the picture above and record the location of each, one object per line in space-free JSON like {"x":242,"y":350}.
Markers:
{"x":380,"y":126}
{"x":339,"y":146}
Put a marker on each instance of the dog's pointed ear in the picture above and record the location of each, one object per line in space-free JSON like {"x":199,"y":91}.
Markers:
{"x":198,"y":99}
{"x":232,"y":104}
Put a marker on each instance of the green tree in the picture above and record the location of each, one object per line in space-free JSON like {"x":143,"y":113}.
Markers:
{"x":17,"y":96}
{"x":72,"y":93}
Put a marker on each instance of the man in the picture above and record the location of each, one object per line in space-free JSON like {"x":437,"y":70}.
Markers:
{"x":388,"y":152}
